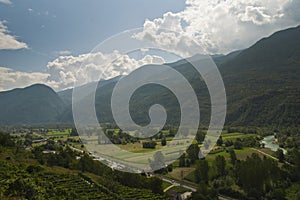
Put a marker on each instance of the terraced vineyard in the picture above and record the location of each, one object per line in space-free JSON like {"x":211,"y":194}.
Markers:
{"x":35,"y":182}
{"x":72,"y":186}
{"x":127,"y":192}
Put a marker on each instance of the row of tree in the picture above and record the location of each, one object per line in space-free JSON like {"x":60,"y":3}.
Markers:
{"x":259,"y":178}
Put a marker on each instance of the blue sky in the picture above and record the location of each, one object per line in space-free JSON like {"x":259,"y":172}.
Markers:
{"x":51,"y":26}
{"x":49,"y":41}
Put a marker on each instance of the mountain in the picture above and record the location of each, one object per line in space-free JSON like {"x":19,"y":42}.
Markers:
{"x":282,"y":47}
{"x":262,"y":86}
{"x":66,"y":95}
{"x":262,"y":82}
{"x":36,"y":104}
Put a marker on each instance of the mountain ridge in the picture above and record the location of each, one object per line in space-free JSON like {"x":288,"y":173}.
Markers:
{"x":35,"y":104}
{"x":262,"y":85}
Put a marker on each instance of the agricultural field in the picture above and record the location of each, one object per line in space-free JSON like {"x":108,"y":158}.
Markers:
{"x":234,"y":136}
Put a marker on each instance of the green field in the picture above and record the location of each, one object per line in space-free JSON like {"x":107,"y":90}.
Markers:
{"x":234,"y":136}
{"x":57,"y":133}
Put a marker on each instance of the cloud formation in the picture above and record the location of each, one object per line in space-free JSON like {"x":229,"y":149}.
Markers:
{"x":221,"y":26}
{"x":5,"y":1}
{"x":8,"y":41}
{"x":10,"y":79}
{"x":64,"y":71}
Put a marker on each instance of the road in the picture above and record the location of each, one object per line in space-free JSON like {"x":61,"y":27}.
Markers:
{"x":177,"y":183}
{"x":268,"y":155}
{"x":75,"y":149}
{"x":165,"y":190}
{"x":184,"y":185}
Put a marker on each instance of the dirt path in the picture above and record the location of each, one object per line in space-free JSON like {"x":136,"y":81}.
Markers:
{"x":268,"y":155}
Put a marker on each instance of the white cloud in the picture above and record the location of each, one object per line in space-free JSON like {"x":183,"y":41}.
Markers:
{"x":65,"y":70}
{"x":8,"y":41}
{"x":5,"y":1}
{"x":10,"y":79}
{"x":221,"y":26}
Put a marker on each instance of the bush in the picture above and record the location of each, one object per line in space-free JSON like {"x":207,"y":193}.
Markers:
{"x":149,"y":145}
{"x":6,"y":141}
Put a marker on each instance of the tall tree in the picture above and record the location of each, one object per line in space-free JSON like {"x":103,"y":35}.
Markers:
{"x":163,"y":141}
{"x":200,"y":136}
{"x":201,"y":172}
{"x":233,"y":157}
{"x":182,"y":160}
{"x":255,"y":173}
{"x":280,"y":155}
{"x":221,"y":165}
{"x":193,"y":152}
{"x":220,"y":141}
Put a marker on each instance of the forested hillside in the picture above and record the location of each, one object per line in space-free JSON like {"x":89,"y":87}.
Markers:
{"x":262,"y":85}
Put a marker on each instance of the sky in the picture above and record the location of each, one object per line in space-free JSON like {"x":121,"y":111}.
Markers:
{"x":47,"y":41}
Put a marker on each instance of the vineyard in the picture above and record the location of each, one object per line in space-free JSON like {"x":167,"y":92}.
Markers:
{"x":37,"y":182}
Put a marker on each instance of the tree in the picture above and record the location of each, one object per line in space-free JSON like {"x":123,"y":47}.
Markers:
{"x":156,"y":185}
{"x":296,"y":161}
{"x":193,"y":152}
{"x":200,"y":136}
{"x":255,"y":173}
{"x":201,"y":172}
{"x":163,"y":142}
{"x":298,"y":196}
{"x":221,"y":165}
{"x":182,"y":160}
{"x":228,"y":143}
{"x":280,"y":155}
{"x":170,"y":168}
{"x":220,"y":141}
{"x":204,"y":192}
{"x":277,"y":194}
{"x":149,"y":145}
{"x":188,"y":163}
{"x":238,"y":144}
{"x":233,"y":157}
{"x":74,"y":132}
{"x":5,"y":140}
{"x":21,"y":187}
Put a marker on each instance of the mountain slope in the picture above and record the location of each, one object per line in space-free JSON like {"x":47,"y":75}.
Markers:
{"x":32,"y":105}
{"x":66,"y":95}
{"x":262,"y":85}
{"x":262,"y":82}
{"x":282,"y":47}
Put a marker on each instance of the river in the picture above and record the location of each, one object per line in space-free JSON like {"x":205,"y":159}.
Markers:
{"x":269,"y":142}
